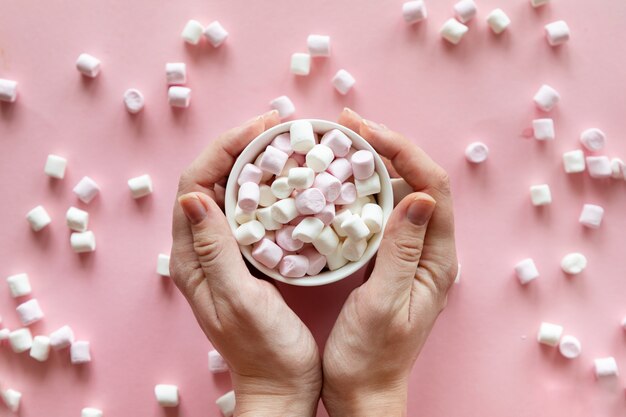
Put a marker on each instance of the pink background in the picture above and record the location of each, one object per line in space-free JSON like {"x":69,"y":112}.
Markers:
{"x":477,"y":361}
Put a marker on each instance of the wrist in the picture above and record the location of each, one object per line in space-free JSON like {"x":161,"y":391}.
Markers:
{"x":269,"y":400}
{"x":391,"y":402}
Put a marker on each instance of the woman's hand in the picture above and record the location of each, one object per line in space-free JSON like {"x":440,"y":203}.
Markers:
{"x":385,"y":322}
{"x":273,"y":358}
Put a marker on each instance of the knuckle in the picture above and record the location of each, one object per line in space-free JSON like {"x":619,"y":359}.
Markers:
{"x":407,"y":249}
{"x":208,"y":249}
{"x":442,"y":180}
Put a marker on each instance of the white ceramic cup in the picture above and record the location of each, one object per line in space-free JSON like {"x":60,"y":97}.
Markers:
{"x":258,"y":145}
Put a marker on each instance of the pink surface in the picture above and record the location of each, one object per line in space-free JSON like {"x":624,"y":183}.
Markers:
{"x":141,"y":329}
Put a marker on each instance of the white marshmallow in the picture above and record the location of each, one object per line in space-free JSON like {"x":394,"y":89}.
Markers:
{"x":591,"y":216}
{"x":86,"y":190}
{"x":300,"y":63}
{"x":281,"y":188}
{"x":291,"y":163}
{"x":175,"y":73}
{"x":319,"y":45}
{"x":249,"y":233}
{"x":302,"y":136}
{"x":539,"y":3}
{"x":166,"y":395}
{"x":284,"y":211}
{"x":29,"y":312}
{"x":91,"y":412}
{"x":192,"y":32}
{"x":357,"y":206}
{"x":226,"y":404}
{"x":618,"y":169}
{"x":8,"y":90}
{"x":217,"y":364}
{"x":372,"y":215}
{"x":242,"y":217}
{"x":134,"y":100}
{"x":340,"y":217}
{"x":326,"y":242}
{"x":62,"y":338}
{"x":284,"y":105}
{"x":4,"y":334}
{"x":215,"y":33}
{"x":264,"y":215}
{"x":457,"y":279}
{"x":573,"y":263}
{"x":540,"y":195}
{"x":55,"y":166}
{"x":543,"y":129}
{"x":80,"y":352}
{"x":368,"y":186}
{"x":414,"y":11}
{"x":465,"y":10}
{"x":266,"y":197}
{"x":476,"y":152}
{"x":570,"y":347}
{"x":549,"y":334}
{"x":605,"y":367}
{"x":624,"y":323}
{"x":21,"y":340}
{"x":498,"y":21}
{"x":301,"y":178}
{"x":77,"y":219}
{"x":343,"y":81}
{"x":599,"y":167}
{"x":593,"y":139}
{"x":38,"y":218}
{"x":163,"y":265}
{"x":354,"y":227}
{"x":557,"y":33}
{"x":526,"y":271}
{"x":83,"y":241}
{"x":352,"y":249}
{"x":140,"y":186}
{"x":19,"y":285}
{"x":88,"y":65}
{"x":308,"y":229}
{"x":546,"y":98}
{"x":319,"y":158}
{"x":574,"y":161}
{"x":40,"y":349}
{"x":11,"y":399}
{"x":453,"y":31}
{"x":179,"y":96}
{"x":335,"y":259}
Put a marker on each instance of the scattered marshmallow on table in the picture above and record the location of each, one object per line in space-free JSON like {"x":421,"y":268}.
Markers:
{"x":593,"y":139}
{"x":343,"y":81}
{"x":175,"y":73}
{"x":80,"y":352}
{"x":133,"y":100}
{"x":250,"y":232}
{"x":91,"y":412}
{"x":8,"y":90}
{"x":539,"y":3}
{"x":543,"y":129}
{"x":166,"y":395}
{"x":618,"y":169}
{"x":573,"y":263}
{"x":300,"y":63}
{"x":86,"y":190}
{"x":591,"y":216}
{"x":624,"y":323}
{"x":217,"y":364}
{"x":11,"y":399}
{"x":570,"y":347}
{"x":414,"y":11}
{"x":540,"y":195}
{"x":284,"y":106}
{"x":88,"y":65}
{"x":557,"y":33}
{"x":55,"y":166}
{"x":599,"y":167}
{"x":163,"y":265}
{"x":546,"y":98}
{"x":302,"y":136}
{"x":319,"y":45}
{"x":179,"y":96}
{"x":40,"y":349}
{"x":498,"y":21}
{"x":526,"y":271}
{"x":605,"y":367}
{"x":267,"y":252}
{"x":140,"y":186}
{"x":549,"y":334}
{"x":29,"y":312}
{"x":62,"y":338}
{"x":21,"y":340}
{"x":465,"y":10}
{"x":4,"y":334}
{"x":82,"y":242}
{"x":215,"y":34}
{"x":38,"y":218}
{"x":574,"y":161}
{"x":192,"y":32}
{"x":19,"y":285}
{"x":226,"y":404}
{"x":476,"y":152}
{"x":77,"y":219}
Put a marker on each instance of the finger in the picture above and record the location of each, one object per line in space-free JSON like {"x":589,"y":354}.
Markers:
{"x":350,"y":119}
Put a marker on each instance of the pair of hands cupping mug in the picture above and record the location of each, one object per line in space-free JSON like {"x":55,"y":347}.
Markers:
{"x":274,"y":360}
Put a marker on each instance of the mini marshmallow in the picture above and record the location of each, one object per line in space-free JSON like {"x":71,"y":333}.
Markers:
{"x":624,"y":323}
{"x":284,"y":211}
{"x":599,"y":167}
{"x":267,"y":253}
{"x":301,"y":178}
{"x":86,"y":190}
{"x":62,"y":338}
{"x":352,"y":249}
{"x":337,"y":141}
{"x":40,"y":349}
{"x":549,"y":334}
{"x":215,"y":33}
{"x":281,"y":188}
{"x":242,"y":217}
{"x":133,"y":100}
{"x":319,"y":45}
{"x":573,"y":263}
{"x":618,"y":169}
{"x":175,"y":73}
{"x":226,"y":404}
{"x":574,"y":161}
{"x":476,"y":152}
{"x":273,"y":160}
{"x":526,"y":271}
{"x":354,"y":227}
{"x":266,"y":175}
{"x":319,"y":158}
{"x":593,"y":139}
{"x":453,"y":31}
{"x":372,"y":215}
{"x":557,"y":33}
{"x":343,"y":81}
{"x":284,"y":106}
{"x":250,"y":173}
{"x":327,"y":214}
{"x":83,"y":241}
{"x":317,"y":261}
{"x":8,"y":90}
{"x":294,"y":266}
{"x":163,"y":265}
{"x":368,"y":186}
{"x":248,"y":196}
{"x":302,"y":136}
{"x":362,"y":164}
{"x":540,"y":195}
{"x":543,"y":129}
{"x":264,"y":215}
{"x":605,"y":367}
{"x":299,"y":158}
{"x":286,"y":240}
{"x":217,"y":364}
{"x":498,"y":21}
{"x":539,"y":3}
{"x":347,"y":194}
{"x":140,"y":186}
{"x":359,"y":203}
{"x":290,"y":164}
{"x":11,"y":399}
{"x":29,"y":312}
{"x":457,"y":279}
{"x":300,"y":63}
{"x":55,"y":166}
{"x":166,"y":395}
{"x":335,"y":259}
{"x":91,"y":412}
{"x":179,"y":96}
{"x":38,"y":218}
{"x":591,"y":216}
{"x":4,"y":334}
{"x":21,"y":340}
{"x":326,"y":242}
{"x":340,"y":168}
{"x":328,"y":185}
{"x":192,"y":32}
{"x":570,"y":347}
{"x":19,"y":285}
{"x":414,"y":11}
{"x":546,"y":98}
{"x":266,"y":197}
{"x":249,"y":233}
{"x":308,"y":229}
{"x":465,"y":10}
{"x":88,"y":65}
{"x":80,"y":353}
{"x":310,"y":201}
{"x":282,"y":142}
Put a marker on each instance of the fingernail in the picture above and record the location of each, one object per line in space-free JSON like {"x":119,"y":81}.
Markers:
{"x":352,"y":112}
{"x":253,"y":120}
{"x":420,"y":210}
{"x":193,"y":208}
{"x":374,"y":126}
{"x":270,"y":114}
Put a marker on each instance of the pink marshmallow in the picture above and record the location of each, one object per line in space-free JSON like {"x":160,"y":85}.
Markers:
{"x":286,"y":241}
{"x":362,"y":164}
{"x":297,"y":220}
{"x":282,"y":142}
{"x":340,"y":168}
{"x":337,"y":141}
{"x":310,"y":201}
{"x":327,"y":214}
{"x":273,"y":160}
{"x":317,"y":261}
{"x":294,"y":266}
{"x":250,"y":173}
{"x":347,"y":195}
{"x":299,"y":157}
{"x":268,"y":253}
{"x":328,"y":185}
{"x":249,"y":194}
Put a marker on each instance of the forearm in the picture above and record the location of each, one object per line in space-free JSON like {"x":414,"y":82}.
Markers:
{"x":303,"y":405}
{"x":388,"y":403}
